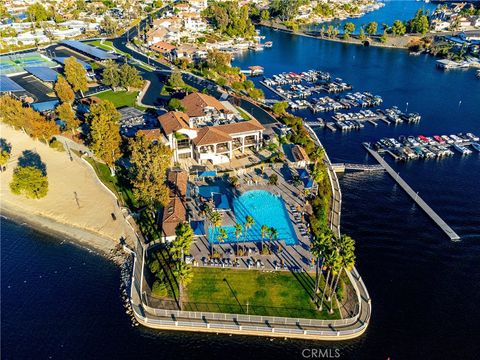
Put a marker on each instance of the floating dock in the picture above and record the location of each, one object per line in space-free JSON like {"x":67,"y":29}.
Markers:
{"x":343,"y":167}
{"x":428,"y":210}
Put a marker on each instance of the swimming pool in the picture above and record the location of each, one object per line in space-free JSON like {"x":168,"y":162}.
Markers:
{"x":266,"y":209}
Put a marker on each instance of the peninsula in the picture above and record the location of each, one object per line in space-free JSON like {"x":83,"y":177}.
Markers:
{"x":229,"y":207}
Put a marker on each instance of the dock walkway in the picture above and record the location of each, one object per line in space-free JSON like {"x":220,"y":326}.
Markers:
{"x":342,"y":167}
{"x":423,"y":205}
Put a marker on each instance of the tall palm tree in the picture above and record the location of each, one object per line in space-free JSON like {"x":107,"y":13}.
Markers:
{"x":222,"y":235}
{"x":318,"y":153}
{"x":249,"y":222}
{"x":184,"y":275}
{"x":330,"y":259}
{"x":264,"y":230}
{"x":347,"y":260}
{"x":215,"y":222}
{"x":336,"y":267}
{"x":319,"y":246}
{"x":238,"y":233}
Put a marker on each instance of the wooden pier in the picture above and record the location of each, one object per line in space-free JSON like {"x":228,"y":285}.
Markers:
{"x":275,"y":91}
{"x":342,"y":167}
{"x":420,"y":202}
{"x":330,"y":126}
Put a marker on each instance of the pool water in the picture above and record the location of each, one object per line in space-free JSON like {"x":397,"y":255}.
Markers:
{"x":266,"y":209}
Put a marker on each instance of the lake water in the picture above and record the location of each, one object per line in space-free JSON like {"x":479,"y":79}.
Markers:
{"x":393,"y":10}
{"x":61,"y":301}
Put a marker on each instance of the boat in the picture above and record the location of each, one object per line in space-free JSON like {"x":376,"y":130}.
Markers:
{"x":268,"y":44}
{"x":257,"y":47}
{"x":473,"y":137}
{"x":476,"y":146}
{"x":462,"y":149}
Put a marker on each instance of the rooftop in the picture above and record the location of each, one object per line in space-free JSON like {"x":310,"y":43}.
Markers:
{"x":173,"y":121}
{"x":88,"y":50}
{"x":195,"y":104}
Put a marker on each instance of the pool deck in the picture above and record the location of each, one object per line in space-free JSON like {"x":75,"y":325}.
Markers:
{"x":283,"y":257}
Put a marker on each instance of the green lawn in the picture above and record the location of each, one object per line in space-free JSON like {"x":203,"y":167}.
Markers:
{"x":114,"y":183}
{"x":121,"y":98}
{"x":243,"y":114}
{"x":267,"y":293}
{"x":107,"y":45}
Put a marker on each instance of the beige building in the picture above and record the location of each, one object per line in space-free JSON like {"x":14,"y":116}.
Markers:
{"x":189,"y":136}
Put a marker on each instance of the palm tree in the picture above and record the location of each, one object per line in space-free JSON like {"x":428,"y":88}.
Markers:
{"x":249,"y":222}
{"x":329,"y":258}
{"x":319,"y":246}
{"x":336,"y":266}
{"x":264,"y":230}
{"x":183,"y":240}
{"x":222,"y":235}
{"x":184,"y":276}
{"x":238,"y":233}
{"x":347,"y":260}
{"x":215,"y":222}
{"x":272,"y":234}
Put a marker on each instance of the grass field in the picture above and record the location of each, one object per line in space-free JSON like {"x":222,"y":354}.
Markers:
{"x":105,"y":45}
{"x":267,"y":293}
{"x":121,"y":98}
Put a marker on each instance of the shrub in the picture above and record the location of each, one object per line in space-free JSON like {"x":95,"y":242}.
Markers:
{"x":57,"y":145}
{"x":159,"y":289}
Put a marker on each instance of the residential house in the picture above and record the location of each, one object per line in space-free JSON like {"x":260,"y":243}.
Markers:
{"x":165,"y":49}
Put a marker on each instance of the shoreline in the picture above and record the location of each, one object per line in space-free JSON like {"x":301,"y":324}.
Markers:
{"x":79,"y":237}
{"x":78,"y":205}
{"x":351,"y":41}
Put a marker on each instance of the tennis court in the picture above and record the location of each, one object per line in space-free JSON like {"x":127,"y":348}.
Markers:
{"x":15,"y":63}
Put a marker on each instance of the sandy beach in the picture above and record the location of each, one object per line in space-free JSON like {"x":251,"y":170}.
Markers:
{"x":77,"y":205}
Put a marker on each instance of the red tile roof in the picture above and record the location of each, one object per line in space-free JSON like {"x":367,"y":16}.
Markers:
{"x":173,"y":121}
{"x":195,"y":103}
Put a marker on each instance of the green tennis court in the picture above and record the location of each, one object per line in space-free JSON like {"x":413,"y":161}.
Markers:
{"x":15,"y":63}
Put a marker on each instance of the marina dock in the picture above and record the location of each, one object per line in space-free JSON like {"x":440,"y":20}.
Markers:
{"x":343,"y":167}
{"x":420,"y":202}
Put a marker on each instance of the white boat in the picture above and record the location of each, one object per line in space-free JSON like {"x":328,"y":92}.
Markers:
{"x":473,"y":137}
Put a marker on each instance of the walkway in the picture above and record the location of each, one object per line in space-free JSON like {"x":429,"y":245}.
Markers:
{"x":414,"y":195}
